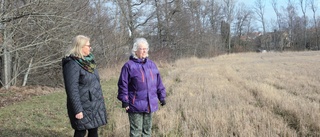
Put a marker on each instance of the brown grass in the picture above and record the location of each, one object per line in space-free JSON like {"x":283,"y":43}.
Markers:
{"x":252,"y":94}
{"x":18,"y":94}
{"x":241,"y":95}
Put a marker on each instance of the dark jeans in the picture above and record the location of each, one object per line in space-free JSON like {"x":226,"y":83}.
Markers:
{"x":91,"y":133}
{"x":140,"y":124}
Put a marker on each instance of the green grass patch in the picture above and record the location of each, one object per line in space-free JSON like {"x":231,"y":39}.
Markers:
{"x":46,"y":115}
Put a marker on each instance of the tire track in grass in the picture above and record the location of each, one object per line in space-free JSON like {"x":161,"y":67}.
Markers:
{"x":289,"y":115}
{"x":262,"y":101}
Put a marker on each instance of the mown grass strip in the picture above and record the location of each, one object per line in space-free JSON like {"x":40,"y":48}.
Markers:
{"x":40,"y":116}
{"x":46,"y":115}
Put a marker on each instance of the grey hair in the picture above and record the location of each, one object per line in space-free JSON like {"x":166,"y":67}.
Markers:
{"x":136,"y":44}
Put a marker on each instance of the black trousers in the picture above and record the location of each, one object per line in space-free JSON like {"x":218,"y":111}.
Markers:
{"x":91,"y":133}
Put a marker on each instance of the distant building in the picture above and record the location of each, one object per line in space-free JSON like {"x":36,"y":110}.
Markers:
{"x":250,"y":36}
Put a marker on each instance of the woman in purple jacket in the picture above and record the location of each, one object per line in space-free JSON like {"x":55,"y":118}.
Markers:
{"x":140,"y":89}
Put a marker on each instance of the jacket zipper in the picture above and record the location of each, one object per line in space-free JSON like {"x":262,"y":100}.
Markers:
{"x":134,"y":97}
{"x":151,"y":75}
{"x":142,"y":75}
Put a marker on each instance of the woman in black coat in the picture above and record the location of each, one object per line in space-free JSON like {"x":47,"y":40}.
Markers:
{"x":85,"y":102}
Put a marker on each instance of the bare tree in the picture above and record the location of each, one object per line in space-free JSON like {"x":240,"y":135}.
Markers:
{"x":259,"y":7}
{"x":29,"y":36}
{"x":165,"y":11}
{"x":35,"y":33}
{"x":228,"y":10}
{"x":303,"y":5}
{"x":278,"y":13}
{"x":291,"y":14}
{"x":277,"y":33}
{"x":243,"y":18}
{"x":196,"y":12}
{"x":209,"y":18}
{"x":107,"y":42}
{"x":160,"y":23}
{"x":136,"y":14}
{"x":314,"y":8}
{"x":214,"y":15}
{"x":180,"y":27}
{"x":8,"y":32}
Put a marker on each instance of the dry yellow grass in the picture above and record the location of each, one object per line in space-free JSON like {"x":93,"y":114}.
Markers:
{"x":240,"y":95}
{"x":246,"y":95}
{"x":252,"y":94}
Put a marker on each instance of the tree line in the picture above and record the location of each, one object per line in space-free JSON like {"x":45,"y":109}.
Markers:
{"x":35,"y":33}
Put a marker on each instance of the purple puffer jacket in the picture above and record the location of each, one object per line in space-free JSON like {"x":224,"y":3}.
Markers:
{"x":140,"y":86}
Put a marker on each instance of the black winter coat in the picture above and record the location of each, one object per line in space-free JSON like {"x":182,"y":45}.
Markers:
{"x":84,"y":95}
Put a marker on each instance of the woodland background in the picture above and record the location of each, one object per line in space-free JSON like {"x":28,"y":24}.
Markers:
{"x":269,"y":94}
{"x":34,"y":34}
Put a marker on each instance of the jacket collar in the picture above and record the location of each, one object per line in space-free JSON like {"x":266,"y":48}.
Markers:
{"x":137,"y":60}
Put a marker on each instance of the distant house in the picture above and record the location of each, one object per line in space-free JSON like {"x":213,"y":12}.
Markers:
{"x":250,"y":36}
{"x":278,"y":40}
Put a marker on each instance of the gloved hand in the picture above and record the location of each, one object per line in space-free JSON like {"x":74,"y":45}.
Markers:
{"x":163,"y":103}
{"x":125,"y":105}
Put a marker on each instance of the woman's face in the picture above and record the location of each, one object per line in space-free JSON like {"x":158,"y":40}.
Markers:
{"x":142,"y":51}
{"x":86,"y":49}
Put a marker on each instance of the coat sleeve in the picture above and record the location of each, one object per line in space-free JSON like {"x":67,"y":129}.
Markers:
{"x":161,"y":90}
{"x":71,"y":74}
{"x":123,"y":86}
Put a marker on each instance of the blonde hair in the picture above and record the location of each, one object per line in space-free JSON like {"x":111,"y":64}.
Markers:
{"x":77,"y":44}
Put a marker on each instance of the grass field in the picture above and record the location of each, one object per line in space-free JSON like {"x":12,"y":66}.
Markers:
{"x":241,"y":95}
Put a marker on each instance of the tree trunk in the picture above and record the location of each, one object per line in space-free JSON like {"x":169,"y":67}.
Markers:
{"x":6,"y":68}
{"x":25,"y":79}
{"x":6,"y":77}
